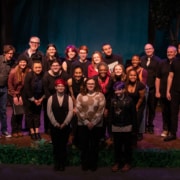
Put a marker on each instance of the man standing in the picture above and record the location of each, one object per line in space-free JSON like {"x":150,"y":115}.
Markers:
{"x":6,"y":63}
{"x":109,"y":58}
{"x":32,"y":52}
{"x":161,"y":86}
{"x":150,"y":62}
{"x":173,"y":95}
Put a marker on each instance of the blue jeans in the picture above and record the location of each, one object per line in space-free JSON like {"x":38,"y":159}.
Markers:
{"x":3,"y":103}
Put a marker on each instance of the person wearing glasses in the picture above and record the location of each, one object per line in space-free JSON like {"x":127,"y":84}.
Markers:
{"x":33,"y":53}
{"x":6,"y":62}
{"x":90,"y":105}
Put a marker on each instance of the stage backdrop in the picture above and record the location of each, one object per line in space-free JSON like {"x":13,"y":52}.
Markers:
{"x":122,"y":23}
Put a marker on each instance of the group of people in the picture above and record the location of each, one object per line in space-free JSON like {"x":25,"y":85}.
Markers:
{"x":90,"y":99}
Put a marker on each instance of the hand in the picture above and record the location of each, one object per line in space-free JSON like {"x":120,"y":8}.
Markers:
{"x":58,"y":126}
{"x":168,"y":95}
{"x":90,"y":125}
{"x":62,"y":126}
{"x":105,"y":113}
{"x":74,"y":111}
{"x":158,"y":95}
{"x":15,"y":101}
{"x":20,"y":101}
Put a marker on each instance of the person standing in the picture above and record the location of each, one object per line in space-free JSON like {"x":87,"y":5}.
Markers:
{"x":60,"y":112}
{"x":90,"y":105}
{"x":83,"y":62}
{"x":150,"y":62}
{"x":173,"y":95}
{"x":92,"y":68}
{"x":105,"y":83}
{"x":71,"y":53}
{"x":51,"y":55}
{"x":161,"y":86}
{"x":6,"y":62}
{"x":123,"y":117}
{"x":33,"y":95}
{"x":33,"y":53}
{"x":109,"y":58}
{"x":15,"y":89}
{"x":75,"y":84}
{"x":136,"y":90}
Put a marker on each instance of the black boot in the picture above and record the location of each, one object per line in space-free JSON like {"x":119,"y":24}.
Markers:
{"x":33,"y":136}
{"x":38,"y":136}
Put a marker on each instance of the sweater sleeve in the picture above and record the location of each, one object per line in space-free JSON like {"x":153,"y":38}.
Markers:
{"x":99,"y":112}
{"x":81,"y":113}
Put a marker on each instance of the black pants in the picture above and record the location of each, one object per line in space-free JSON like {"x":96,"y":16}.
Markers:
{"x":16,"y":120}
{"x":175,"y":102}
{"x":166,"y":113}
{"x":122,"y":147}
{"x":151,"y":108}
{"x":59,"y":140}
{"x":46,"y":118}
{"x":89,"y":145}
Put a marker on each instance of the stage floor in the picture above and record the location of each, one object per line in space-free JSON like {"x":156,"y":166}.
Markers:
{"x":150,"y":141}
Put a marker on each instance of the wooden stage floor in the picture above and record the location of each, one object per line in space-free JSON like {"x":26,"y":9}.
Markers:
{"x":150,"y":141}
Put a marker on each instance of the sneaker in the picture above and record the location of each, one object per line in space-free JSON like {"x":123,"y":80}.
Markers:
{"x":6,"y":134}
{"x":164,"y":133}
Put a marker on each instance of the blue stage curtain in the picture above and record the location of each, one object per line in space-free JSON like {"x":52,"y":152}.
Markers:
{"x":123,"y":24}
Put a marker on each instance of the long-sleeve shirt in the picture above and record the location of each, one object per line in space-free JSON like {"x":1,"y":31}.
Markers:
{"x":69,"y":116}
{"x":5,"y":67}
{"x":90,"y":108}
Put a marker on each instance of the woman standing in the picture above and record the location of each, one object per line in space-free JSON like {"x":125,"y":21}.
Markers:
{"x":15,"y":88}
{"x":105,"y":82}
{"x":92,"y":68}
{"x":71,"y":56}
{"x":33,"y":97}
{"x":75,"y":84}
{"x":90,"y":104}
{"x":60,"y":112}
{"x":136,"y":90}
{"x":51,"y":55}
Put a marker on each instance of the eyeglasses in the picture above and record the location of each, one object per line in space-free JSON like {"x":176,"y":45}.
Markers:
{"x":32,"y":42}
{"x":90,"y":83}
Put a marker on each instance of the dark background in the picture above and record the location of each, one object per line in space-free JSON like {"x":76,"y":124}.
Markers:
{"x":126,"y":25}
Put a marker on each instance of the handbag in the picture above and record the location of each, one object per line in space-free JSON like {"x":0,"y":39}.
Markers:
{"x":18,"y":109}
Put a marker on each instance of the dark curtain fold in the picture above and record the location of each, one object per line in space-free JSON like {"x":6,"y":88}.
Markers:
{"x":123,"y":24}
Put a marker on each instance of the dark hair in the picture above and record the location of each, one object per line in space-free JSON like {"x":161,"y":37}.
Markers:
{"x":54,"y":46}
{"x":77,"y":67}
{"x":36,"y":56}
{"x":55,"y":61}
{"x":102,"y":64}
{"x":7,"y":48}
{"x":127,"y":79}
{"x":84,"y":89}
